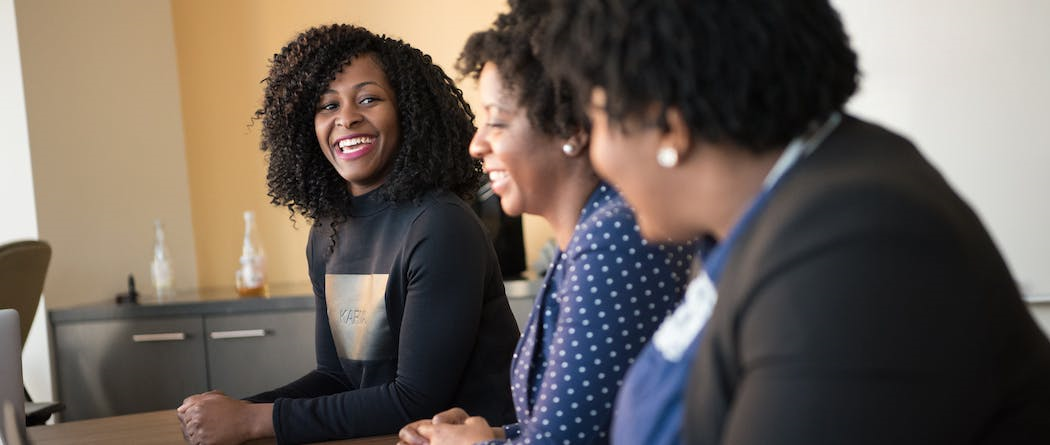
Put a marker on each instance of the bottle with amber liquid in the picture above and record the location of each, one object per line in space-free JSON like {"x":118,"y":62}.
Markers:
{"x":251,"y":275}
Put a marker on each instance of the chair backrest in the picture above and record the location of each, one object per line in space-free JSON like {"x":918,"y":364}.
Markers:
{"x":23,"y":267}
{"x":12,"y":403}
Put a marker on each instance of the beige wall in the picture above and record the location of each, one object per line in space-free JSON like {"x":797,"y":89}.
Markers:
{"x":141,"y":109}
{"x":223,"y":49}
{"x":105,"y":131}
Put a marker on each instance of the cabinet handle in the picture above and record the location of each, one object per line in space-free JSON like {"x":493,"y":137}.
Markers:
{"x":243,"y":333}
{"x":167,"y":336}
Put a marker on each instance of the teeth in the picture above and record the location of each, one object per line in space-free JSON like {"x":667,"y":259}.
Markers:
{"x":345,"y":144}
{"x":497,"y":175}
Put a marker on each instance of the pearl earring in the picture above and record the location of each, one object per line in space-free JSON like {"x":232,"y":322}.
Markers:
{"x":570,"y":149}
{"x":667,"y":157}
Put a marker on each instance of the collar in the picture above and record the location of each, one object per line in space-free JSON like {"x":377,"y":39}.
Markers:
{"x":800,"y":147}
{"x":601,"y":194}
{"x":367,"y":204}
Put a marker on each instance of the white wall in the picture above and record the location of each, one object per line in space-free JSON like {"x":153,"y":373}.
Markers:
{"x":16,"y":182}
{"x":969,"y":82}
{"x":1041,"y":313}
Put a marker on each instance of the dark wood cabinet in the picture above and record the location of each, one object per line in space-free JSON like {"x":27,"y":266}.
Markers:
{"x":120,"y":360}
{"x":128,"y":366}
{"x":112,"y":360}
{"x":251,"y":353}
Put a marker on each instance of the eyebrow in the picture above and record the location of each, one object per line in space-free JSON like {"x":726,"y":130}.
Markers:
{"x":499,"y":108}
{"x":358,"y":86}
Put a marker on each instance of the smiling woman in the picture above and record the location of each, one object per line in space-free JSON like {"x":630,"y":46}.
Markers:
{"x":356,"y":125}
{"x":379,"y":163}
{"x":606,"y":288}
{"x":357,"y":98}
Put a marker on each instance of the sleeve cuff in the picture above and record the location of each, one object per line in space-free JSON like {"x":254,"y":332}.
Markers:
{"x":512,"y":431}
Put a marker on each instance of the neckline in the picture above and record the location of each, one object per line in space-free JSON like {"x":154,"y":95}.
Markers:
{"x":367,"y":204}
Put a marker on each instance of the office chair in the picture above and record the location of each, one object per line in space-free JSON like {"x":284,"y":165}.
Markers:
{"x":504,"y":231}
{"x":23,"y":267}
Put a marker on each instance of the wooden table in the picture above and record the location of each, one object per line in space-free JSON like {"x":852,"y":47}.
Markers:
{"x":153,"y":428}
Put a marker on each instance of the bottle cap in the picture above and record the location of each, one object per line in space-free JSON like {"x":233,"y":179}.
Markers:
{"x":132,"y":296}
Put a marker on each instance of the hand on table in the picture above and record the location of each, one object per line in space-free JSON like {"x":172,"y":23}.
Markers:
{"x":450,"y":427}
{"x":213,"y":418}
{"x":409,"y":434}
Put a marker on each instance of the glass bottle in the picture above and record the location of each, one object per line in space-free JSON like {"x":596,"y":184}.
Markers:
{"x":251,"y":276}
{"x":160,"y":270}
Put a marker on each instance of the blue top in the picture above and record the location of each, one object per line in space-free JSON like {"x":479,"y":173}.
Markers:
{"x":650,"y":407}
{"x":600,"y":302}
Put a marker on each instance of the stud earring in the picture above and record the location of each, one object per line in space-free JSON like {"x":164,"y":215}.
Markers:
{"x":667,"y":157}
{"x":570,"y":149}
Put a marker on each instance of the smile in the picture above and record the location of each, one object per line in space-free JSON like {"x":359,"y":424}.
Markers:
{"x":500,"y":181}
{"x":355,"y":144}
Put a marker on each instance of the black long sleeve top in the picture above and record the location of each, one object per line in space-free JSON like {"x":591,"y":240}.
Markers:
{"x":412,"y":319}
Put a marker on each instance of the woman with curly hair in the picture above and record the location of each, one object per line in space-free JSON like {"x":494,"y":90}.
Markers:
{"x":607,"y":289}
{"x":367,"y":138}
{"x":859,"y":299}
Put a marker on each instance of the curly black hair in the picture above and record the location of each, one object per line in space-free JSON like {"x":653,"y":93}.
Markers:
{"x":752,"y":73}
{"x":436,"y":123}
{"x":550,"y":104}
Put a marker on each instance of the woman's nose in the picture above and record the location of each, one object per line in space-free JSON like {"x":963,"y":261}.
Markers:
{"x":348,"y":116}
{"x":478,"y":146}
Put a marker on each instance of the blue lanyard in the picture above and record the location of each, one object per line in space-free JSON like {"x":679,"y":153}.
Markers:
{"x":799,"y":148}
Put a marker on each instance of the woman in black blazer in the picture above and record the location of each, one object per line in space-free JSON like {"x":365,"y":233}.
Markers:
{"x":853,"y":297}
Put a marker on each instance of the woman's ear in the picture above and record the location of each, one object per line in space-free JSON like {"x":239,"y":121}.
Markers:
{"x":581,"y":138}
{"x":575,"y":144}
{"x":677,"y":136}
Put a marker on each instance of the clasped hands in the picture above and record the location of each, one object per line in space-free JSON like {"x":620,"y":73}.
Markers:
{"x":213,"y":418}
{"x":452,"y":427}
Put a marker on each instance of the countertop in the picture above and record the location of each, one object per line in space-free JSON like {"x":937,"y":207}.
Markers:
{"x":225,"y":301}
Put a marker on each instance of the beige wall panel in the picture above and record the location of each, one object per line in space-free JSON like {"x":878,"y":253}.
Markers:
{"x":105,"y":131}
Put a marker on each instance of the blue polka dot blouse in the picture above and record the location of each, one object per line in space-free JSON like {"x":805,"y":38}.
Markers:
{"x":601,"y":301}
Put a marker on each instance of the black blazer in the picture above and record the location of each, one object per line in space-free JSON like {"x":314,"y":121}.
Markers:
{"x":867,"y":304}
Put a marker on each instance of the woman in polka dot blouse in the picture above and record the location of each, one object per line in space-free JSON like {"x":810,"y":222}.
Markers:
{"x":606,"y":291}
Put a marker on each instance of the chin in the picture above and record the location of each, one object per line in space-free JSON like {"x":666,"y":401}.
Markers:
{"x":655,"y":232}
{"x":509,"y":207}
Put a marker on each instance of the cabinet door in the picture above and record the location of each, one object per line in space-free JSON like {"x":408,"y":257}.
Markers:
{"x":114,"y":367}
{"x":252,"y":353}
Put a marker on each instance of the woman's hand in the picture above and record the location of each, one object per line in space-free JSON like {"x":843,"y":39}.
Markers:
{"x":213,"y":418}
{"x":472,"y":430}
{"x":454,"y":416}
{"x":410,"y":434}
